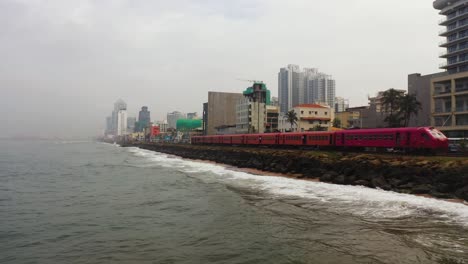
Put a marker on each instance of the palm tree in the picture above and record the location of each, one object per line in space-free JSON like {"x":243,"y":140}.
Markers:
{"x":390,"y":103}
{"x":291,"y":117}
{"x":408,"y":105}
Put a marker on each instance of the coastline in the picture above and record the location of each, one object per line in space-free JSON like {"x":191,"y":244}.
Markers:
{"x":441,"y":178}
{"x":299,"y":177}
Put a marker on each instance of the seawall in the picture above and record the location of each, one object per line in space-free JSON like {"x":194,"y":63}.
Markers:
{"x":441,"y":177}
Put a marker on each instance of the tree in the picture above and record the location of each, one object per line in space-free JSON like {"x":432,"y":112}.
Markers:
{"x":391,"y":103}
{"x":408,"y":105}
{"x":318,"y":128}
{"x":291,"y":117}
{"x":336,"y":122}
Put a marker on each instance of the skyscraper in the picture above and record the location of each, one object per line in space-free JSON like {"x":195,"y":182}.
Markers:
{"x":320,"y":89}
{"x":304,"y":87}
{"x":144,"y":116}
{"x":456,"y":33}
{"x":121,"y":122}
{"x":119,"y":105}
{"x":131,"y":123}
{"x":290,"y":87}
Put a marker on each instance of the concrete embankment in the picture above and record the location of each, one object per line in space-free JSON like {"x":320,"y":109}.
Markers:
{"x":441,"y":177}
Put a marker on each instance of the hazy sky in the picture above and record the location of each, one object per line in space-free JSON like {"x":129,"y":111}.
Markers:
{"x":64,"y":63}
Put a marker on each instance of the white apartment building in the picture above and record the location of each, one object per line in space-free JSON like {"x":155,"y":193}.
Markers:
{"x":173,"y":117}
{"x":121,"y":122}
{"x":250,"y":116}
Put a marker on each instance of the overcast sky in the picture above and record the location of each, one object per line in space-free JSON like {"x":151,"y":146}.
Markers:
{"x":64,"y":63}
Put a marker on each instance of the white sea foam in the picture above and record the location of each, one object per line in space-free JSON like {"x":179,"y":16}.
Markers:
{"x":358,"y":200}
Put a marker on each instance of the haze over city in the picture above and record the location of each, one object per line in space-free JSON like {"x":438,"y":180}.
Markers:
{"x":66,"y":62}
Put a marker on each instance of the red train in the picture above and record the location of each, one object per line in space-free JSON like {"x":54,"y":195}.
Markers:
{"x":411,"y":139}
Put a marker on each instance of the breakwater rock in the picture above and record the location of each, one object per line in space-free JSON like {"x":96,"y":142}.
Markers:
{"x":441,"y":177}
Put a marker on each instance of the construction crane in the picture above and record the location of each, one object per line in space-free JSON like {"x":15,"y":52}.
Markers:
{"x":253,"y":81}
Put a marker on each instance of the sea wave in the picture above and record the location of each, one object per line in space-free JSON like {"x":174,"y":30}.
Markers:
{"x":356,"y":200}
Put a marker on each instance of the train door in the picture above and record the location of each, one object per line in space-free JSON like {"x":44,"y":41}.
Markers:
{"x":342,"y":139}
{"x":304,"y":140}
{"x":397,"y":139}
{"x":408,"y":139}
{"x":277,"y":139}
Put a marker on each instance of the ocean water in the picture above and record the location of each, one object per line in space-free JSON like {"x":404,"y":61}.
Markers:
{"x":87,"y":202}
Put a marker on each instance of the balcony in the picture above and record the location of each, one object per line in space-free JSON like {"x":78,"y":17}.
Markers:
{"x":458,"y":51}
{"x":447,"y":20}
{"x":446,"y":32}
{"x":446,"y":43}
{"x":446,"y":65}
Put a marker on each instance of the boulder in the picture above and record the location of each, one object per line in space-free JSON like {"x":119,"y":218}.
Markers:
{"x":422,"y":189}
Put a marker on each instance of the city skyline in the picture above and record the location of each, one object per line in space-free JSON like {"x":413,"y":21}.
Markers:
{"x":67,"y":55}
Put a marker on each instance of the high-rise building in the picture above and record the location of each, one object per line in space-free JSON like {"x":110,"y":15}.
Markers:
{"x":456,"y":34}
{"x":449,"y":93}
{"x":121,"y":122}
{"x":304,"y":87}
{"x":341,"y":104}
{"x":144,"y":117}
{"x":173,"y":117}
{"x":251,"y":110}
{"x":290,"y":87}
{"x":131,"y":124}
{"x":119,"y":105}
{"x":319,"y":88}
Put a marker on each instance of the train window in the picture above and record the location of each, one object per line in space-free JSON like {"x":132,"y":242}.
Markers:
{"x":355,"y":137}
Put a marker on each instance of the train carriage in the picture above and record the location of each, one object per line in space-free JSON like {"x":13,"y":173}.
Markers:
{"x":252,"y":139}
{"x":226,"y":140}
{"x":292,"y":139}
{"x":237,"y":139}
{"x":407,"y":139}
{"x":319,"y":139}
{"x":422,"y":139}
{"x":269,"y":139}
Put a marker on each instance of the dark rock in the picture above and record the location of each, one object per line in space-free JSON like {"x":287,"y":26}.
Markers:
{"x":462,"y":193}
{"x":340,"y":179}
{"x":409,"y":185}
{"x":348,"y":171}
{"x":421,"y":189}
{"x":443,"y":188}
{"x":363,"y":183}
{"x":395,"y":182}
{"x":327,"y":177}
{"x":441,"y":195}
{"x":379,"y":181}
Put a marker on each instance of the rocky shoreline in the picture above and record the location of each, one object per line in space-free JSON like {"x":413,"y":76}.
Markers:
{"x":440,"y":177}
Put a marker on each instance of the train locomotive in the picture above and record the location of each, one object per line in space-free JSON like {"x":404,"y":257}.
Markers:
{"x":426,"y":140}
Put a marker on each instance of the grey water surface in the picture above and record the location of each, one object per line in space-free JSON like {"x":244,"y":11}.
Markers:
{"x":87,"y":202}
